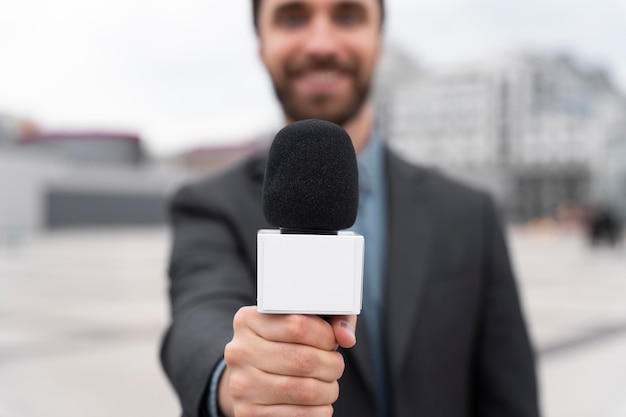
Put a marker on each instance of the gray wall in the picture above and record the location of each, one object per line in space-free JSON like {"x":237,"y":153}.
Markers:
{"x":70,"y":208}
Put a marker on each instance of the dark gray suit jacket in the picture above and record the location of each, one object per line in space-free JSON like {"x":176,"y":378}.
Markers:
{"x":455,"y":339}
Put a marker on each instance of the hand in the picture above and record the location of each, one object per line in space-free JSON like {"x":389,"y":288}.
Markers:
{"x":283,"y":365}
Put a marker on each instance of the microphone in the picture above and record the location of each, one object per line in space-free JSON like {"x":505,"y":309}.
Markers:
{"x":310,"y":192}
{"x":311,"y":180}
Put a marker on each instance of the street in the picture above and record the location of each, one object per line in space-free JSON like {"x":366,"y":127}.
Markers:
{"x":82,"y":313}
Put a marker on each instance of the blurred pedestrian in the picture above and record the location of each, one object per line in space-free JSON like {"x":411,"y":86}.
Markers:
{"x":603,"y":226}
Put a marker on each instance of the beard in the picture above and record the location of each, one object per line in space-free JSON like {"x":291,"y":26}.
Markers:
{"x":325,"y":106}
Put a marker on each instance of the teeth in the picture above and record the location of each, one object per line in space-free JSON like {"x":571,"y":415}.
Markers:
{"x":322,"y":76}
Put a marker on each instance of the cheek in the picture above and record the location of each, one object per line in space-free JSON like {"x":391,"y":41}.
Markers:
{"x":367,"y":63}
{"x":275,"y":53}
{"x":366,"y":51}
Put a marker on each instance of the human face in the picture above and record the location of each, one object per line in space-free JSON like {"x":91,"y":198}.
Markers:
{"x":320,"y":54}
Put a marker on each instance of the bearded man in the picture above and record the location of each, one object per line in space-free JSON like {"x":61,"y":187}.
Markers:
{"x":441,"y":334}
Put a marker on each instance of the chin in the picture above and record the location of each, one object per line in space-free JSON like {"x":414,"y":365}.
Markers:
{"x":335,"y":115}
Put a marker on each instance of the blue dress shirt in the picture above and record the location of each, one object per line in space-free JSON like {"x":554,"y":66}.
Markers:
{"x":371,"y":223}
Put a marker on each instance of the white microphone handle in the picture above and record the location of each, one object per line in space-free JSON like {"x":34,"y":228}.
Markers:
{"x":309,"y":274}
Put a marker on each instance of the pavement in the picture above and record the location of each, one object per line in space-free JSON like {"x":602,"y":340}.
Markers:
{"x":82,"y":313}
{"x":575,"y":302}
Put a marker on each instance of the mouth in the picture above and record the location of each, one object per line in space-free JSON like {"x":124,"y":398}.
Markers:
{"x":321,"y":80}
{"x":322,"y":76}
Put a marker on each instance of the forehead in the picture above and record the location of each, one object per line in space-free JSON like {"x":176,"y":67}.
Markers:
{"x":273,"y":6}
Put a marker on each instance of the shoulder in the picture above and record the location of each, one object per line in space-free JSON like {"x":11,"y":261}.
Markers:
{"x":462,"y":215}
{"x":439,"y":187}
{"x":236,"y":184}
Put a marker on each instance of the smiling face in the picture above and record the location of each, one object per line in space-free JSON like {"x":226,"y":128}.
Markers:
{"x":320,"y":54}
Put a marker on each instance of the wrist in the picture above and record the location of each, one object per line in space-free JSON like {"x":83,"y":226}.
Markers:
{"x":214,"y":387}
{"x":224,"y":400}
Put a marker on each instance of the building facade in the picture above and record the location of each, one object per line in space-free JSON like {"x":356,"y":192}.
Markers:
{"x":532,"y":128}
{"x":79,"y":179}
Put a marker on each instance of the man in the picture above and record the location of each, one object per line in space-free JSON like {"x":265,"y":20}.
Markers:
{"x":441,"y":332}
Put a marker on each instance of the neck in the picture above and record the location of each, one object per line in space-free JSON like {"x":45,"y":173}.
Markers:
{"x":360,"y":127}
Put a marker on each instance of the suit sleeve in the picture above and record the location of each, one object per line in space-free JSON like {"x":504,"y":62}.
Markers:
{"x":209,"y":282}
{"x":506,"y":381}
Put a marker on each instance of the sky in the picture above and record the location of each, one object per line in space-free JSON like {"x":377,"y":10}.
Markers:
{"x":186,"y":73}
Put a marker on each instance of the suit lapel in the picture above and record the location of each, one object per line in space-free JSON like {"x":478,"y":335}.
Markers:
{"x":362,"y":355}
{"x":408,"y":254}
{"x":407,"y":257}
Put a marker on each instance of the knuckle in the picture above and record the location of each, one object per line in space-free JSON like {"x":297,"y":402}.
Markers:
{"x":296,"y":326}
{"x":340,"y":365}
{"x":240,"y":317}
{"x":238,"y":385}
{"x":233,"y":353}
{"x":334,"y":392}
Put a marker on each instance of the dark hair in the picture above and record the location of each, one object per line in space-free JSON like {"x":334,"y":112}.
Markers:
{"x":257,"y":3}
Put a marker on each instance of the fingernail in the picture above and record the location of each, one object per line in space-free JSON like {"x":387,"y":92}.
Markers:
{"x":348,"y":326}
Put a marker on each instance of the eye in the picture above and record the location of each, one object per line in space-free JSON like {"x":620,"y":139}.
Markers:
{"x":291,"y":19}
{"x":349,"y":16}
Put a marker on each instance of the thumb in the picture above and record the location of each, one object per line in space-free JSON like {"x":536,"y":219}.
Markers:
{"x":344,"y":328}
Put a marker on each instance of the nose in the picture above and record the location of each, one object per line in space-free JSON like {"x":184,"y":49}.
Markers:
{"x":321,"y":39}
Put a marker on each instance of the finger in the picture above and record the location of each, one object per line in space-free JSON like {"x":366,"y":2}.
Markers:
{"x":284,"y":410}
{"x":308,"y":330}
{"x":301,"y":361}
{"x":262,"y":388}
{"x":284,"y":358}
{"x":344,"y":328}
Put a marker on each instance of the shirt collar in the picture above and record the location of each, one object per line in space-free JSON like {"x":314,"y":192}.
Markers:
{"x":370,"y":162}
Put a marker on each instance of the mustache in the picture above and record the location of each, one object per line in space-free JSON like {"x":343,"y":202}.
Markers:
{"x":321,"y":63}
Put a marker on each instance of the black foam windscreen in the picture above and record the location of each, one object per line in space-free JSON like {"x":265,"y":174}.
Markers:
{"x":311,"y":179}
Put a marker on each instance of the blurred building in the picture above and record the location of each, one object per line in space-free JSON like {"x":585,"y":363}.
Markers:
{"x":88,"y":148}
{"x":396,"y":70}
{"x":53,"y":180}
{"x":14,"y":129}
{"x":614,"y":180}
{"x":535,"y":129}
{"x":76,"y":179}
{"x":205,"y":159}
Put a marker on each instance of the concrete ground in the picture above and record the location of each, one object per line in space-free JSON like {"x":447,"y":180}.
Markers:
{"x":575,"y":301}
{"x":81,"y":315}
